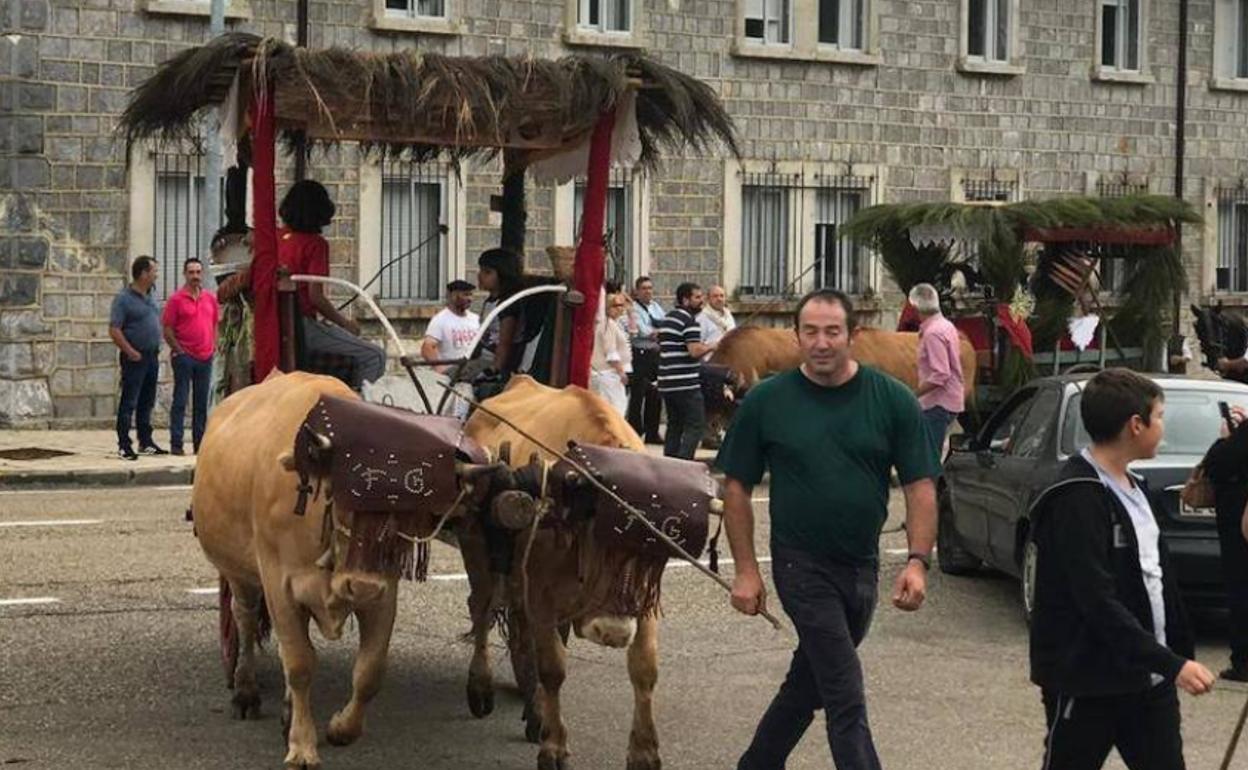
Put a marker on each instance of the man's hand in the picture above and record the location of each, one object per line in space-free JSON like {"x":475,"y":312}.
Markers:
{"x":749,"y":596}
{"x":1194,"y":678}
{"x":911,"y":587}
{"x":134,"y":355}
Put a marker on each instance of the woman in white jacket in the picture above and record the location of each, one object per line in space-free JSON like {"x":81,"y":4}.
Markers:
{"x":612,"y":355}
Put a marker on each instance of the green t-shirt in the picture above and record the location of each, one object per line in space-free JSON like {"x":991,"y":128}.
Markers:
{"x":829,"y":451}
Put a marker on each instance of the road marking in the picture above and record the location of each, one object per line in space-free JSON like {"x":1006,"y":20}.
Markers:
{"x":52,"y":523}
{"x":32,"y":600}
{"x":203,"y":591}
{"x":77,"y":490}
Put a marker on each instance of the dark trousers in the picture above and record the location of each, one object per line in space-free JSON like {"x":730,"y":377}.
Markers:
{"x":191,"y":379}
{"x":1143,"y":726}
{"x":686,"y":423}
{"x":936,"y":422}
{"x":643,"y":395}
{"x":831,"y":606}
{"x":138,"y":396}
{"x":1235,"y":575}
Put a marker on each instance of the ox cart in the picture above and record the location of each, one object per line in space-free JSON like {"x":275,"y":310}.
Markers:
{"x":1040,"y":287}
{"x":313,"y":503}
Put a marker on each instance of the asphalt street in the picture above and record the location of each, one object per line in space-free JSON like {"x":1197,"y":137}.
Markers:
{"x":109,"y":659}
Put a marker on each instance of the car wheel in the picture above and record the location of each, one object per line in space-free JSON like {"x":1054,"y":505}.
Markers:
{"x":950,"y":555}
{"x":1028,"y":582}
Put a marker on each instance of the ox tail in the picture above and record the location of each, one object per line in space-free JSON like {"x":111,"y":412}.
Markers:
{"x":228,"y":628}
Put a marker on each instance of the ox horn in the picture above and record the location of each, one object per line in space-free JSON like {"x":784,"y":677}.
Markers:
{"x":322,"y":441}
{"x":717,"y":506}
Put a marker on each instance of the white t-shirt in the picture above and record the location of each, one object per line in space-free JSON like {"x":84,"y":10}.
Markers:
{"x":453,"y":333}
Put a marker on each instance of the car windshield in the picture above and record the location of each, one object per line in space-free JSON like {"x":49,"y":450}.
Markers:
{"x":1192,"y":419}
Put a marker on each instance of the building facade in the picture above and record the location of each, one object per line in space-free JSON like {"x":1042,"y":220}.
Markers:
{"x":839,"y":104}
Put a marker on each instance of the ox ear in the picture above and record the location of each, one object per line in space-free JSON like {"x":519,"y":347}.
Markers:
{"x":287,"y":461}
{"x":504,"y":453}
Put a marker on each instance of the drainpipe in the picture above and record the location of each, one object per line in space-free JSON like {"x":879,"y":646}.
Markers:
{"x":210,"y":206}
{"x":1180,"y":143}
{"x":301,"y":40}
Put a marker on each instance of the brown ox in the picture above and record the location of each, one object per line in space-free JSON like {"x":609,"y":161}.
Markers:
{"x":754,"y":352}
{"x":554,"y":580}
{"x":244,"y":503}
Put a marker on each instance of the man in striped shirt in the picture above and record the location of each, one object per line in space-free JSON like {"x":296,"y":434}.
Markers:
{"x":680,"y":347}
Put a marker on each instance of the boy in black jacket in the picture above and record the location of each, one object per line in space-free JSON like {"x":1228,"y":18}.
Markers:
{"x":1109,"y":638}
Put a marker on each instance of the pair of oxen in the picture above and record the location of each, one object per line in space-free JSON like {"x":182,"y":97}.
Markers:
{"x":312,"y":505}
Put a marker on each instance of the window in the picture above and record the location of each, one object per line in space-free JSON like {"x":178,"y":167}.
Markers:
{"x":988,"y":30}
{"x":413,"y":244}
{"x":766,"y":203}
{"x":1233,"y":239}
{"x":1120,"y":34}
{"x":1034,"y":431}
{"x":605,"y":15}
{"x":989,"y":190}
{"x":178,"y":229}
{"x":840,"y":263}
{"x":841,"y":23}
{"x":769,"y":21}
{"x":416,"y":8}
{"x":1005,"y":430}
{"x":617,"y":229}
{"x":1241,"y":40}
{"x":1112,"y":259}
{"x":1230,"y":45}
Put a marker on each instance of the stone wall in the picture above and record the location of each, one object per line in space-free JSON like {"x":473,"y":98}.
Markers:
{"x":66,"y":67}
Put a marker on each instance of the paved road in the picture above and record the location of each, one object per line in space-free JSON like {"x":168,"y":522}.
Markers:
{"x":121,"y":671}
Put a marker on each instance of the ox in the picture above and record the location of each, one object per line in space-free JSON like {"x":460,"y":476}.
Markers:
{"x":266,"y":528}
{"x":551,"y":577}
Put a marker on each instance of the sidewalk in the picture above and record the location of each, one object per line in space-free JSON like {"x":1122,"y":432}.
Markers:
{"x":40,"y":459}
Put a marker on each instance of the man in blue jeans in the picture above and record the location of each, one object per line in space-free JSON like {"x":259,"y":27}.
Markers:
{"x":829,"y":432}
{"x":190,"y":321}
{"x":134,"y":326}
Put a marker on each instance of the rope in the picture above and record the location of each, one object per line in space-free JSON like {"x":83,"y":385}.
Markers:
{"x":624,"y":504}
{"x":543,"y":507}
{"x":441,"y":522}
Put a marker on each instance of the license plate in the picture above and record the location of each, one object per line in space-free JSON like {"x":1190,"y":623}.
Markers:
{"x":1187,"y":511}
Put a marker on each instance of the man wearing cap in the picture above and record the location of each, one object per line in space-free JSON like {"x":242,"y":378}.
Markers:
{"x":451,"y":332}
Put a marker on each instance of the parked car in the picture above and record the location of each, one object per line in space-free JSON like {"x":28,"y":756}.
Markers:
{"x":992,"y":478}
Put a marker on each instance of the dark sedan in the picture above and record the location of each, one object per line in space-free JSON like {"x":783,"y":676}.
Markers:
{"x":992,"y":478}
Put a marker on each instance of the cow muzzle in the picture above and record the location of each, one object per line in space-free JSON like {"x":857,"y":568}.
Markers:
{"x":608,"y":630}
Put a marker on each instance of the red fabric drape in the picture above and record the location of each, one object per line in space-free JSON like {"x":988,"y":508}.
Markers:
{"x":589,"y":269}
{"x":1019,"y":331}
{"x":264,"y":235}
{"x":909,"y":320}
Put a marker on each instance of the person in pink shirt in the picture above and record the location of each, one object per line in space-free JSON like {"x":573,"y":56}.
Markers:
{"x":190,"y":322}
{"x":941,"y":394}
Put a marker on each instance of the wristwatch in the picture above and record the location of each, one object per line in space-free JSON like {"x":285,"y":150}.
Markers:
{"x":921,"y":558}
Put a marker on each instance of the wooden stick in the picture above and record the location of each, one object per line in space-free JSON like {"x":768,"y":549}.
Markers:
{"x":1239,"y":729}
{"x":671,"y":544}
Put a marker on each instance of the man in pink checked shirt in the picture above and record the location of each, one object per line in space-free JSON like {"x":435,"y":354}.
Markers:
{"x":941,"y":393}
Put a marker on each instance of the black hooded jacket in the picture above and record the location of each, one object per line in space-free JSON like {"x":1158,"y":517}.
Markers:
{"x":1092,"y":624}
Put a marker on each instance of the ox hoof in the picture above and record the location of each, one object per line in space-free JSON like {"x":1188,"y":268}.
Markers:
{"x":480,"y":700}
{"x":642,"y":762}
{"x":302,"y":760}
{"x":532,"y":724}
{"x":340,"y":733}
{"x":549,"y":760}
{"x":245,"y":705}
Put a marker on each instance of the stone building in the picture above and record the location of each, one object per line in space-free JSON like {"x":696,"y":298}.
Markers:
{"x":839,"y":103}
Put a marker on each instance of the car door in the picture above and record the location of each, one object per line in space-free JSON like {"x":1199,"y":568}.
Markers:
{"x":1017,"y":475}
{"x":973,"y":487}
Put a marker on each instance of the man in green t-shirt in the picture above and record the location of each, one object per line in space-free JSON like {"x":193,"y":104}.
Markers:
{"x":829,"y":432}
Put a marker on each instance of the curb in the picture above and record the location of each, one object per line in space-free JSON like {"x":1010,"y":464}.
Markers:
{"x":86,"y":479}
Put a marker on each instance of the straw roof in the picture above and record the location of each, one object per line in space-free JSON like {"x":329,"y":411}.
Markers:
{"x":429,"y":103}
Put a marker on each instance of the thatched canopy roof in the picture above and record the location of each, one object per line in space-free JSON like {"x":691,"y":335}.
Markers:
{"x":429,"y":103}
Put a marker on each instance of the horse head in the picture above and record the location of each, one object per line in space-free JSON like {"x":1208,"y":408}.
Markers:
{"x":1221,"y":334}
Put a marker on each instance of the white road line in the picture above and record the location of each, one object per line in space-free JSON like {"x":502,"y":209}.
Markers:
{"x":52,"y":523}
{"x":78,"y":490}
{"x":203,"y":591}
{"x":32,"y":600}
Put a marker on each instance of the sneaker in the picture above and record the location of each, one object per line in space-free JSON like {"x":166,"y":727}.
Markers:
{"x":1234,"y":674}
{"x":126,"y":453}
{"x":176,"y":451}
{"x":152,"y":449}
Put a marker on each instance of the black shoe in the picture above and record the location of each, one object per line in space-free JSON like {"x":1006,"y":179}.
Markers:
{"x":152,"y":449}
{"x":654,"y":439}
{"x":126,"y":453}
{"x":176,"y":451}
{"x":1234,"y":674}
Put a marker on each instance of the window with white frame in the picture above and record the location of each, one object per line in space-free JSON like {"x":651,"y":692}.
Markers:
{"x":1232,"y":274}
{"x":416,"y":8}
{"x":414,"y":226}
{"x":605,"y":15}
{"x":1120,"y":35}
{"x":841,"y":23}
{"x":767,"y":203}
{"x":178,"y":229}
{"x":618,"y":228}
{"x":769,"y":21}
{"x":840,"y":262}
{"x":988,"y":30}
